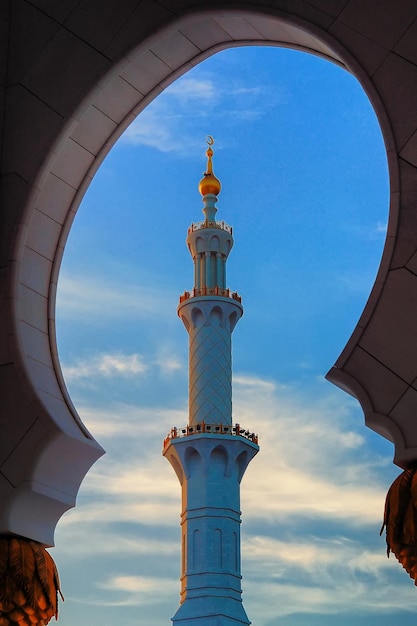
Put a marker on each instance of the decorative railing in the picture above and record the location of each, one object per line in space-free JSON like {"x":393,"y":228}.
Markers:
{"x":215,"y":429}
{"x":207,"y":224}
{"x":210,"y":291}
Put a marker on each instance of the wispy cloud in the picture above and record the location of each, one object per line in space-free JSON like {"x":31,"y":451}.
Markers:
{"x":106,"y":365}
{"x":380,"y":228}
{"x":315,"y":452}
{"x":118,"y":365}
{"x":154,"y":128}
{"x":191,"y":98}
{"x":84,"y":297}
{"x":121,"y":544}
{"x":255,"y":382}
{"x":314,"y":465}
{"x":187,"y":89}
{"x":311,"y":558}
{"x":313,"y":459}
{"x":137,"y":589}
{"x":113,"y":422}
{"x":169,"y":363}
{"x":366,"y":232}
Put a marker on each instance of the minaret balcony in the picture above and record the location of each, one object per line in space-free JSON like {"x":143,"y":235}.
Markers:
{"x":213,"y":224}
{"x":210,"y":291}
{"x":210,"y":429}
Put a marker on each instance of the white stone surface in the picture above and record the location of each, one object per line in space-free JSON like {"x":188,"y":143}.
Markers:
{"x":212,"y":467}
{"x":210,"y":322}
{"x":47,"y":102}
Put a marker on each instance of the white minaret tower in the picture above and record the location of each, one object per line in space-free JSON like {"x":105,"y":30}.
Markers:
{"x":210,"y":455}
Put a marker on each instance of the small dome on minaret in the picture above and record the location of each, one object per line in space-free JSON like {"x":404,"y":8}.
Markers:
{"x":209,"y":184}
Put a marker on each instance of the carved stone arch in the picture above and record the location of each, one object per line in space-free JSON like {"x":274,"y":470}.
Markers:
{"x":193,"y":463}
{"x":219,"y":460}
{"x":197,"y":317}
{"x":57,"y":133}
{"x":200,"y":245}
{"x":242,"y":463}
{"x":216,"y":316}
{"x":214,"y":243}
{"x":233,"y":319}
{"x":177,"y":467}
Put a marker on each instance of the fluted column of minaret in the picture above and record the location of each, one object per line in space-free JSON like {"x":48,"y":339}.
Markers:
{"x":210,"y":455}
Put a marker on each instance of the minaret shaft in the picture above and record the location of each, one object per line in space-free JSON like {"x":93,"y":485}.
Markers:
{"x":210,"y":468}
{"x":210,"y":321}
{"x":209,"y":455}
{"x":210,"y":313}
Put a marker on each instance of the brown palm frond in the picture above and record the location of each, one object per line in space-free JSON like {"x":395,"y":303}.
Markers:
{"x":29,"y":583}
{"x":400,"y":520}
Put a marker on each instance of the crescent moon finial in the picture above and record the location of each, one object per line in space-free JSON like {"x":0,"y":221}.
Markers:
{"x":209,"y":184}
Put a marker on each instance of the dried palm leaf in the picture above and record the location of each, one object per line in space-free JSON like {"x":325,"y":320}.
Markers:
{"x":29,"y":583}
{"x":400,"y":520}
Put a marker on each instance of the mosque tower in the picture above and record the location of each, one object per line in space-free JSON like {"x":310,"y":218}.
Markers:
{"x":210,"y":454}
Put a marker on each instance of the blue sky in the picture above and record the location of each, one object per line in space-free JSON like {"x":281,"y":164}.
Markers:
{"x":305,"y":187}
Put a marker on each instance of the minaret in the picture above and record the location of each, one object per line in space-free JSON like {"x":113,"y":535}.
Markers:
{"x":210,"y":455}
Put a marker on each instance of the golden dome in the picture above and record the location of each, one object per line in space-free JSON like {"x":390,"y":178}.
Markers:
{"x":209,"y":183}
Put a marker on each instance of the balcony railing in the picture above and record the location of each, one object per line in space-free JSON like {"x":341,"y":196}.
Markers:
{"x":215,"y":429}
{"x":210,"y":291}
{"x":207,"y":224}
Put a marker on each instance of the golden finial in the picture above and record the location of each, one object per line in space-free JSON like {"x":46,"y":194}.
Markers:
{"x":209,"y":184}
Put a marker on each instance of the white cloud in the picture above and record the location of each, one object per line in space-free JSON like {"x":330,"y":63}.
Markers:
{"x":131,"y":364}
{"x":319,"y":575}
{"x":137,"y":590}
{"x":89,"y":297}
{"x":274,"y":599}
{"x":167,"y":359}
{"x":381,"y":228}
{"x":106,"y":365}
{"x":256,"y":383}
{"x":186,"y":89}
{"x":313,"y":469}
{"x":156,"y":126}
{"x":101,"y":543}
{"x":127,"y":590}
{"x":118,"y":365}
{"x":313,"y":461}
{"x":191,"y":98}
{"x":119,"y":421}
{"x":246,"y":114}
{"x":313,"y":554}
{"x":244,"y":91}
{"x":153,"y":129}
{"x":132,"y":584}
{"x":366,"y":232}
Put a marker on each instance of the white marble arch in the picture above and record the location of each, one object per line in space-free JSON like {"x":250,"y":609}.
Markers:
{"x":69,"y":91}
